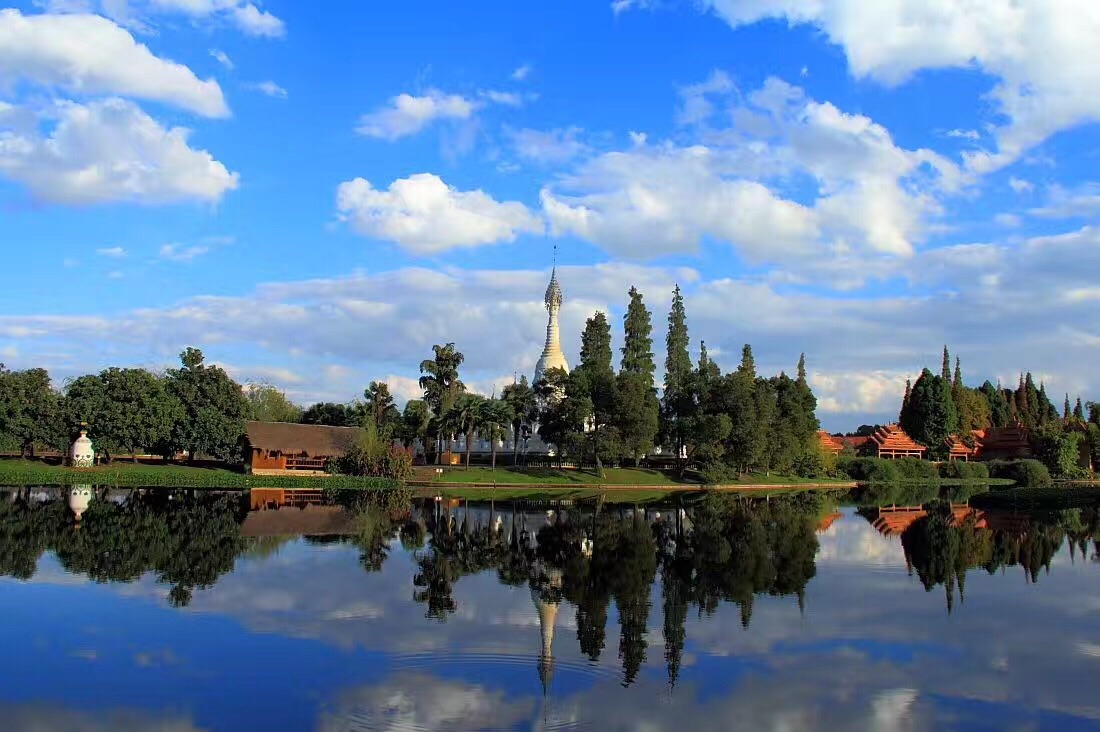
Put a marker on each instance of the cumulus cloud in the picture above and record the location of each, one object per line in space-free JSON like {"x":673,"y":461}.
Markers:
{"x":872,"y":198}
{"x":426,"y":216}
{"x":88,"y":54}
{"x":407,"y":114}
{"x":110,"y":150}
{"x":1042,"y":54}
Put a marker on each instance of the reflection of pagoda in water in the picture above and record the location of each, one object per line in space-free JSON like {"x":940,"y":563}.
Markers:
{"x":546,"y":595}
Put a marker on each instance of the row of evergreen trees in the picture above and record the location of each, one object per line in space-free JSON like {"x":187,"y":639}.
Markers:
{"x":723,"y":423}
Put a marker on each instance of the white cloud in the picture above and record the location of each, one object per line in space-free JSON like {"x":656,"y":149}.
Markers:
{"x":270,"y":88}
{"x":1042,"y":53}
{"x":110,"y":150}
{"x":872,"y":197}
{"x":89,"y":54}
{"x":426,"y":216}
{"x":180,"y":253}
{"x":972,"y":135}
{"x":112,"y":252}
{"x":407,"y":115}
{"x":550,"y":146}
{"x":246,"y":16}
{"x":508,"y":99}
{"x":1069,"y":202}
{"x":256,"y":22}
{"x":522,"y":72}
{"x":1008,"y":220}
{"x":1019,"y":185}
{"x":222,"y":58}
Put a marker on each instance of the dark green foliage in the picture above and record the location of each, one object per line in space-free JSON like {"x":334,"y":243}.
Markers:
{"x":959,"y":470}
{"x":1060,"y":450}
{"x":523,"y":402}
{"x":869,"y":469}
{"x":379,"y":408}
{"x":913,"y":470}
{"x":1025,"y":473}
{"x":636,"y":410}
{"x":930,"y":417}
{"x":213,"y":409}
{"x":30,"y":412}
{"x":330,"y":414}
{"x":127,"y":410}
{"x":678,"y":402}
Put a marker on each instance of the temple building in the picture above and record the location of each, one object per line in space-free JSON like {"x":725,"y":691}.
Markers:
{"x":829,"y":444}
{"x":892,"y":442}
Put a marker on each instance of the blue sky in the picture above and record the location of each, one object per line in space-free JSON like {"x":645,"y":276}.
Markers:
{"x":315,"y":197}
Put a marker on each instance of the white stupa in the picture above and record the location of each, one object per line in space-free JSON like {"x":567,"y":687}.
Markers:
{"x":82,"y":453}
{"x":552,"y":357}
{"x":546,"y":597}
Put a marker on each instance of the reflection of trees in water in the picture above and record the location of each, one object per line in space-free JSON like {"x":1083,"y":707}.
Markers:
{"x":941,"y":549}
{"x":738,"y":548}
{"x":187,"y":538}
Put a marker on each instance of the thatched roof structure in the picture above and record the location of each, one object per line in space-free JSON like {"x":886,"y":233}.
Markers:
{"x":288,"y":438}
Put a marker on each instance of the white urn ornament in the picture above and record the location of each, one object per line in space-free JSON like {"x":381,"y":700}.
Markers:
{"x":82,"y":454}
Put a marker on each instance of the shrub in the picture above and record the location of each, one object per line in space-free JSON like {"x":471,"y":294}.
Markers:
{"x":717,"y":473}
{"x":920,"y":471}
{"x":810,"y":464}
{"x":956,"y":470}
{"x":1026,"y":473}
{"x":869,"y":469}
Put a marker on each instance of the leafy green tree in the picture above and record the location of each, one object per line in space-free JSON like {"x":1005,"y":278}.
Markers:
{"x":441,"y":383}
{"x":415,"y":421}
{"x":637,"y":407}
{"x":594,"y":382}
{"x":736,"y":397}
{"x":930,"y":417}
{"x":523,"y":402}
{"x":329,"y":414}
{"x":213,"y":408}
{"x":493,"y":419}
{"x":30,"y":411}
{"x":464,"y":418}
{"x":378,"y":405}
{"x":561,"y":418}
{"x":267,"y":403}
{"x":678,"y":405}
{"x":708,"y":370}
{"x":127,"y":410}
{"x":999,"y":411}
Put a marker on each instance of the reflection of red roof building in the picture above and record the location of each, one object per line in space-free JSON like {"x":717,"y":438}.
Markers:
{"x":894,"y":520}
{"x":826,"y":522}
{"x":892,"y":442}
{"x":829,"y":443}
{"x":959,"y":450}
{"x":1005,"y":443}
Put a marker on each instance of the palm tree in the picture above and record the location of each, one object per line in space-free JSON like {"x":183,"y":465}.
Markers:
{"x":463,"y":417}
{"x":440,"y":382}
{"x":493,"y":419}
{"x":378,"y":403}
{"x":523,"y":401}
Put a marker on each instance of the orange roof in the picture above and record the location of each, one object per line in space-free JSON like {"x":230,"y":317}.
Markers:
{"x":829,"y":443}
{"x":956,"y":446}
{"x":892,"y":438}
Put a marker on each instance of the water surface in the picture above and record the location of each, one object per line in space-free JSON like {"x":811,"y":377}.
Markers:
{"x":183,"y":611}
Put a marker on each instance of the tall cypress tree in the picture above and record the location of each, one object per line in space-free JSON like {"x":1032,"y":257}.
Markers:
{"x":637,"y":403}
{"x":1079,"y":412}
{"x":594,"y":378}
{"x":930,"y":416}
{"x":708,"y":370}
{"x":1065,"y":409}
{"x":946,"y":373}
{"x":678,"y":400}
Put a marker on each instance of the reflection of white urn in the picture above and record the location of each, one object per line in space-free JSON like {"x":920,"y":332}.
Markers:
{"x":79,"y":498}
{"x":82,"y":454}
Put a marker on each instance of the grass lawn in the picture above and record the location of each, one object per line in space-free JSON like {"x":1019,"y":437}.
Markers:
{"x":563,"y":493}
{"x":130,"y":475}
{"x":763,"y":479}
{"x":553,"y":476}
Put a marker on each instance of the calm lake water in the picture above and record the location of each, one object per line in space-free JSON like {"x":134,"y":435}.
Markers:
{"x":177,"y":611}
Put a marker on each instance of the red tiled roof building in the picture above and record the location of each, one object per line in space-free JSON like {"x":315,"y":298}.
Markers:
{"x":892,"y":442}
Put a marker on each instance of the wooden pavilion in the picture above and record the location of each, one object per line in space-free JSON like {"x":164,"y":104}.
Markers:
{"x":957,"y":449}
{"x":892,"y":442}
